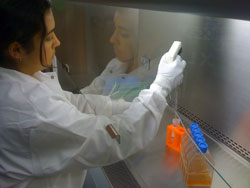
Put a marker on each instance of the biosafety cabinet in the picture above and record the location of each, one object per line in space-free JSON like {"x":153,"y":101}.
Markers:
{"x":215,"y":92}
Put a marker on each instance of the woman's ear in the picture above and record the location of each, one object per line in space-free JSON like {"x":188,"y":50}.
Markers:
{"x":16,"y":51}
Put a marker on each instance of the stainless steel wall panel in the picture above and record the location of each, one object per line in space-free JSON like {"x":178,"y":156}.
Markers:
{"x":215,"y":86}
{"x":222,"y":8}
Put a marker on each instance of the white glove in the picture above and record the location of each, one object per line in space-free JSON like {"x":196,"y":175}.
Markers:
{"x":169,"y":75}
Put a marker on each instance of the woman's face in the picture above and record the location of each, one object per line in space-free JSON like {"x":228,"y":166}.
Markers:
{"x":123,"y":38}
{"x":51,"y":41}
{"x":31,"y":61}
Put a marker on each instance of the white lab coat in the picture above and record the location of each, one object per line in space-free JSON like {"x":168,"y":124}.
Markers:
{"x":49,"y":137}
{"x":116,"y":68}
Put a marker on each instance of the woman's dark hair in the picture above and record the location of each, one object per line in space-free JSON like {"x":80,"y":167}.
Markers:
{"x":20,"y":20}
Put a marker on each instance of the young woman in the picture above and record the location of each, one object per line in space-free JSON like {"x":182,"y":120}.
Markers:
{"x":49,"y":137}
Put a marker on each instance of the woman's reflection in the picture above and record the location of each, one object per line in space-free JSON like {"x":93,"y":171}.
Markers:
{"x":124,"y":36}
{"x":116,"y":80}
{"x":123,"y":76}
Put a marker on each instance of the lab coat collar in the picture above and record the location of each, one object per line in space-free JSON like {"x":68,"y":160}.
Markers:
{"x":38,"y":76}
{"x":15,"y":75}
{"x":48,"y":79}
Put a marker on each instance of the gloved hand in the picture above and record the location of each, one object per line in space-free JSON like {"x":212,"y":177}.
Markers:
{"x":169,"y":75}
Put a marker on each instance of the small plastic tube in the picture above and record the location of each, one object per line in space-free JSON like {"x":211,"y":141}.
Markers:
{"x":193,"y":126}
{"x":203,"y":146}
{"x":200,"y":139}
{"x":173,"y":52}
{"x":197,"y":134}
{"x":197,"y":130}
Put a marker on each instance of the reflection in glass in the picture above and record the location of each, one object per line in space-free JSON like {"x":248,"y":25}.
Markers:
{"x":123,"y":76}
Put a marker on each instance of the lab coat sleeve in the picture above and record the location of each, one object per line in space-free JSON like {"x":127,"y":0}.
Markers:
{"x":96,"y":86}
{"x":69,"y":136}
{"x":105,"y":106}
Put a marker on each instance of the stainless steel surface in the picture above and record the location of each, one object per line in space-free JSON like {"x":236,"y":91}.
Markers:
{"x":159,"y":166}
{"x":219,"y":136}
{"x":96,"y":178}
{"x":119,"y":176}
{"x":215,"y":85}
{"x":222,"y":8}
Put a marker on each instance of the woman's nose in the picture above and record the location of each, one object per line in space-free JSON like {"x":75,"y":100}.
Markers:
{"x":113,"y":39}
{"x":57,"y":42}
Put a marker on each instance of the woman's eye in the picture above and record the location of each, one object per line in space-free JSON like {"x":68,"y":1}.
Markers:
{"x":49,"y":38}
{"x":124,"y":35}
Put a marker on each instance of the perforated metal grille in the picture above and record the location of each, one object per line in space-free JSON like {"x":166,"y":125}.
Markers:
{"x":209,"y":129}
{"x":120,"y":176}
